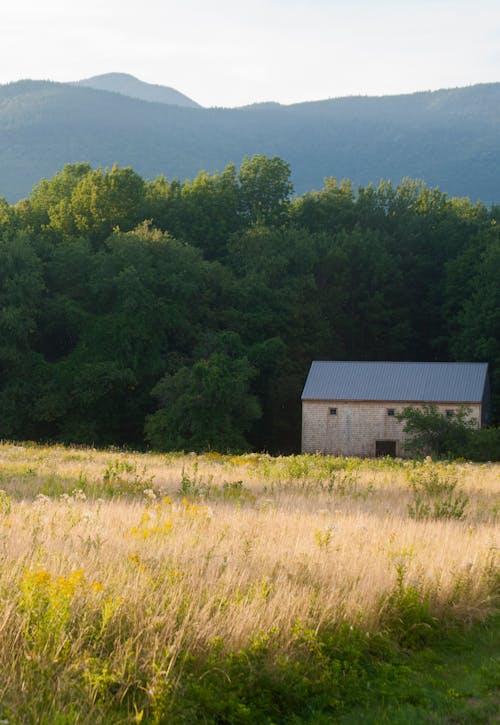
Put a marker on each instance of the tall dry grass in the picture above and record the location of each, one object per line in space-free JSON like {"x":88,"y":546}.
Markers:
{"x":115,"y":564}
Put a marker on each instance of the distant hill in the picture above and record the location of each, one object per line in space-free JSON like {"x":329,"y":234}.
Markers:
{"x":449,"y":138}
{"x":128,"y":85}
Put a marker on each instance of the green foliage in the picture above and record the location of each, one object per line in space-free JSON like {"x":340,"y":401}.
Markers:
{"x":435,"y":493}
{"x":121,"y":477}
{"x":478,"y":321}
{"x":204,"y":212}
{"x":265,"y":188}
{"x":483,"y":445}
{"x":207,"y":406}
{"x":412,"y":672}
{"x":237,"y":491}
{"x":193,"y":486}
{"x":433,"y":433}
{"x":340,"y":675}
{"x":21,"y":288}
{"x":5,"y":503}
{"x":218,"y":292}
{"x":81,"y":202}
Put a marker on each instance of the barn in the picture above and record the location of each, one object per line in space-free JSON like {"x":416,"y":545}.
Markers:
{"x":351,"y":408}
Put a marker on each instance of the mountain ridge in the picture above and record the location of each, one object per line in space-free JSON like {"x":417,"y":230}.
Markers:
{"x":448,"y":138}
{"x":128,"y":85}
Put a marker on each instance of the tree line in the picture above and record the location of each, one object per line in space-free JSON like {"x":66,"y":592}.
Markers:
{"x":185,"y":315}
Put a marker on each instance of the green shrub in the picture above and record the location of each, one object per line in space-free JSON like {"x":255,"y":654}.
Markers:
{"x":121,"y":477}
{"x":483,"y":445}
{"x":435,"y":493}
{"x":432,"y":433}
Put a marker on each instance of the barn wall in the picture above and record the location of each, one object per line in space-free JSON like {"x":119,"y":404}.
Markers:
{"x":357,"y":425}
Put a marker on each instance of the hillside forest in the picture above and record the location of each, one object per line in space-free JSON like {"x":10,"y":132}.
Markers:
{"x":448,"y":138}
{"x":185,"y":315}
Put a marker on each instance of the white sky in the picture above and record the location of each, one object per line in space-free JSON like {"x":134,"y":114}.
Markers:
{"x":229,"y":53}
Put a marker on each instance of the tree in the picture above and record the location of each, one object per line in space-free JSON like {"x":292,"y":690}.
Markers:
{"x":210,"y":211}
{"x":21,"y":292}
{"x":80,"y":201}
{"x":478,"y":322}
{"x":265,"y":189}
{"x":104,"y":200}
{"x":203,"y":212}
{"x":433,"y":433}
{"x":205,"y":406}
{"x":329,"y":210}
{"x":360,"y":291}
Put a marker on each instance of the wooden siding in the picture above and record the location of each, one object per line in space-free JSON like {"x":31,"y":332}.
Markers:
{"x":357,"y":425}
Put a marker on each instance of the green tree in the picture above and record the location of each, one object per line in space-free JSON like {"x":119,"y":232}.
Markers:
{"x":478,"y":320}
{"x":361,"y":295}
{"x":102,"y":201}
{"x":21,"y":290}
{"x":147,"y":300}
{"x":205,"y":406}
{"x":82,"y":202}
{"x":329,"y":210}
{"x":203,"y":212}
{"x":265,"y":189}
{"x":433,"y":433}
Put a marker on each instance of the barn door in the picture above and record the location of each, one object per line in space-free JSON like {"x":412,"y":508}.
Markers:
{"x":385,"y":448}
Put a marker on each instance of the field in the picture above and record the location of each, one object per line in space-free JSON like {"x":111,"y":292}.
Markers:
{"x":245,"y":589}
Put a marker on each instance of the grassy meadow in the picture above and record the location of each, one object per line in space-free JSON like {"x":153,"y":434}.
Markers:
{"x":245,"y":589}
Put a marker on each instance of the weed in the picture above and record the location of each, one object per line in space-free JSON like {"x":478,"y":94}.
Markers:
{"x":435,"y":493}
{"x":194,"y":486}
{"x":5,"y":503}
{"x":323,"y":538}
{"x":236,"y":491}
{"x":346,"y":483}
{"x":121,"y":477}
{"x":406,"y":610}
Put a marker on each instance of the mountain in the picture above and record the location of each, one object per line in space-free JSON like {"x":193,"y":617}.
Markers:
{"x":130,"y":86}
{"x":449,"y":138}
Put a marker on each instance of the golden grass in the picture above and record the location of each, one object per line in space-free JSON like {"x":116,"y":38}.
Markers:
{"x":135,"y":558}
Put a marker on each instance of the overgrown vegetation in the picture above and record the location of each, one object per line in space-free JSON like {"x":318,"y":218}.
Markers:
{"x":245,"y":589}
{"x":433,"y":433}
{"x":436,"y":493}
{"x":186,"y":315}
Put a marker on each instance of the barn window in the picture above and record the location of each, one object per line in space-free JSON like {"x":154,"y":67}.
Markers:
{"x":391,"y":412}
{"x":449,"y":413}
{"x":332,"y":411}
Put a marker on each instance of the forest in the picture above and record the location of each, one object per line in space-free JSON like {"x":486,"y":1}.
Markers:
{"x":185,"y":315}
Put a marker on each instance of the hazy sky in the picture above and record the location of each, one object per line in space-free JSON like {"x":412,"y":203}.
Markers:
{"x":227,"y":53}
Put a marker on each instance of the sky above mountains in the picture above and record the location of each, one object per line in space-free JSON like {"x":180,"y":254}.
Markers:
{"x":229,"y":53}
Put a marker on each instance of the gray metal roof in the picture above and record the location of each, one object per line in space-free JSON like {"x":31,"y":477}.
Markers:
{"x":444,"y":382}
